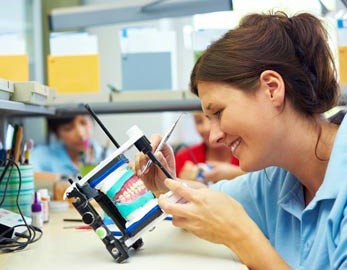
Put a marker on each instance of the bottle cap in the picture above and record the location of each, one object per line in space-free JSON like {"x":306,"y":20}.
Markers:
{"x":43,"y":192}
{"x":36,"y":206}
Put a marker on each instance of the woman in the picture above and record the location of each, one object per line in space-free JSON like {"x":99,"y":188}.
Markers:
{"x":73,"y":148}
{"x":264,"y":86}
{"x":206,"y":162}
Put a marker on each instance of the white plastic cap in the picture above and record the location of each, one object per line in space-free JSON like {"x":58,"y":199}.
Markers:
{"x":43,"y":192}
{"x":134,"y":131}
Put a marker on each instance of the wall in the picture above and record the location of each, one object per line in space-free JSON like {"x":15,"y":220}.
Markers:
{"x":108,"y":37}
{"x":109,"y":46}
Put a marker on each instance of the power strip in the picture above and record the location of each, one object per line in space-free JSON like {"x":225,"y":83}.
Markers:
{"x":8,"y":220}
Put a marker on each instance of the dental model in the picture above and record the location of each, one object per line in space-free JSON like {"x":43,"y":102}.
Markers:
{"x":122,"y":196}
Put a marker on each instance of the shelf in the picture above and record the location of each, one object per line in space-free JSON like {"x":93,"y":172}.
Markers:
{"x":152,"y":101}
{"x":130,"y":107}
{"x":14,"y":108}
{"x":61,"y":19}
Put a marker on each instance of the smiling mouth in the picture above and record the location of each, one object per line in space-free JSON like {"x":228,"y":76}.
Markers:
{"x":234,"y":145}
{"x":131,"y":190}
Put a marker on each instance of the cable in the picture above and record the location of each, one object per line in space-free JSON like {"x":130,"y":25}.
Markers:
{"x":8,"y":164}
{"x":34,"y":233}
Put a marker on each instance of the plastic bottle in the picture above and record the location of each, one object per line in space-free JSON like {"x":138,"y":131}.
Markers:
{"x":45,"y":200}
{"x":36,"y":212}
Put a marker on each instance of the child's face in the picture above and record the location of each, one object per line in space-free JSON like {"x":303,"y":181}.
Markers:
{"x":202,"y":125}
{"x":76,"y":135}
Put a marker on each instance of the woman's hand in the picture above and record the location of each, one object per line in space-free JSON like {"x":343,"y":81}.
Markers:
{"x":153,"y":177}
{"x":218,"y":218}
{"x":211,"y":215}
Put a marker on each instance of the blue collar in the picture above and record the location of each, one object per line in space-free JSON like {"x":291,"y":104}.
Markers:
{"x":335,"y":176}
{"x":291,"y":197}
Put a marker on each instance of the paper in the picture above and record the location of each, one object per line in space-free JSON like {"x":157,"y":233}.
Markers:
{"x":14,"y":67}
{"x":74,"y":73}
{"x":343,"y":64}
{"x":73,"y":44}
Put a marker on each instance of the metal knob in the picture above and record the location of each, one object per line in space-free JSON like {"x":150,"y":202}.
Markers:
{"x":88,"y":218}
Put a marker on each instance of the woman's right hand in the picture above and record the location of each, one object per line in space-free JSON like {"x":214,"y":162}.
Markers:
{"x":153,"y":177}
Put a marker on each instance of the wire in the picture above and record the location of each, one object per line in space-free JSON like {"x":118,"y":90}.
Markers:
{"x":8,"y":164}
{"x":34,"y":233}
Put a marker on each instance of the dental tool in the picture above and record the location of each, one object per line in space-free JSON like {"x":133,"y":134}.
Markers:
{"x":162,"y":143}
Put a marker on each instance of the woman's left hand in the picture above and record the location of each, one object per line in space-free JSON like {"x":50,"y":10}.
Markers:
{"x":218,"y":218}
{"x":211,"y":215}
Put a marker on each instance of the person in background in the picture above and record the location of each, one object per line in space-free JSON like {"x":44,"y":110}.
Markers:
{"x":265,"y":87}
{"x":73,"y":148}
{"x":206,"y":162}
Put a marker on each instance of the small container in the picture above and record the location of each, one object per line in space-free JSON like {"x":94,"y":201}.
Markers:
{"x":36,"y":212}
{"x":45,"y":200}
{"x":30,"y":92}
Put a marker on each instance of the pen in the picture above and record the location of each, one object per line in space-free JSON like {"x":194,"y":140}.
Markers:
{"x":80,"y":227}
{"x":27,"y":148}
{"x":162,"y":143}
{"x":73,"y":219}
{"x":2,"y":155}
{"x":17,"y":144}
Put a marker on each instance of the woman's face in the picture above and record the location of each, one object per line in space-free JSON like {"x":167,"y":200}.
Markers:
{"x":77,"y":134}
{"x":203,"y":127}
{"x":244,"y":122}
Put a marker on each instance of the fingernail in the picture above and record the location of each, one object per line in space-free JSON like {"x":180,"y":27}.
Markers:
{"x":158,"y":155}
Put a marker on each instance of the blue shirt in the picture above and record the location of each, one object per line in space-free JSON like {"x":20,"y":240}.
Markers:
{"x":307,"y":237}
{"x":54,"y":158}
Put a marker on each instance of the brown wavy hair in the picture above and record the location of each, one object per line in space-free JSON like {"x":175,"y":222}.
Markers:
{"x":295,"y":47}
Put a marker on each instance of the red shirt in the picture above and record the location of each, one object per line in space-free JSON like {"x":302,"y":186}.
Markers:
{"x":196,"y":154}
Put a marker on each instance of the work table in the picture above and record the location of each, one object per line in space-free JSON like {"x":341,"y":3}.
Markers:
{"x":166,"y":247}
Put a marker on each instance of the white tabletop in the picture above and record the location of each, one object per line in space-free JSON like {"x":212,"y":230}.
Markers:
{"x":166,"y":247}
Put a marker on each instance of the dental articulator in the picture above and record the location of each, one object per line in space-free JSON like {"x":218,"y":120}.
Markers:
{"x":122,"y":196}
